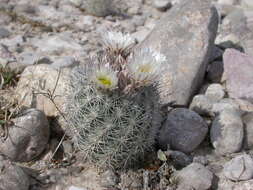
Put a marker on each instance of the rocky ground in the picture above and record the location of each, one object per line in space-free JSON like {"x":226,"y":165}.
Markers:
{"x":206,"y":91}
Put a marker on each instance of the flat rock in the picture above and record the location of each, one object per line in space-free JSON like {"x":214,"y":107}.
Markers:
{"x":36,"y":81}
{"x":27,"y":136}
{"x":185,"y":35}
{"x":227,"y":132}
{"x":238,"y":69}
{"x":183,"y":130}
{"x":239,"y":168}
{"x":195,"y":176}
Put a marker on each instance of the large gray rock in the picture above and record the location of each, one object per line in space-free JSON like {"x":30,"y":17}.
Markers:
{"x":239,"y":168}
{"x":227,"y":132}
{"x":27,"y":136}
{"x":183,"y":130}
{"x":185,"y":35}
{"x":195,"y":176}
{"x":238,"y":69}
{"x":12,"y":177}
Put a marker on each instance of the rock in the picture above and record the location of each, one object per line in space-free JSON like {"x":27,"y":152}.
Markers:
{"x":216,"y":54}
{"x":248,"y":123}
{"x":66,"y":61}
{"x":39,"y":79}
{"x":76,"y":3}
{"x":4,"y":33}
{"x":225,"y":104}
{"x":67,"y":147}
{"x":244,"y":105}
{"x":139,"y":20}
{"x":131,"y":180}
{"x":247,"y":3}
{"x":238,"y":68}
{"x":215,"y":71}
{"x":202,"y":105}
{"x":239,"y":168}
{"x":6,"y":57}
{"x":162,"y":5}
{"x":109,"y":179}
{"x":183,"y":130}
{"x":235,"y":23}
{"x":27,"y":59}
{"x":228,"y":41}
{"x":99,"y":8}
{"x":179,"y":159}
{"x":195,"y":176}
{"x":249,"y":19}
{"x":247,"y":43}
{"x":238,"y":185}
{"x":25,"y":8}
{"x":140,"y":35}
{"x":224,"y":9}
{"x":75,"y":188}
{"x":27,"y":136}
{"x":12,"y":177}
{"x":215,"y":92}
{"x":201,"y":160}
{"x":85,"y":21}
{"x":186,"y":39}
{"x":227,"y":2}
{"x":57,"y":44}
{"x":227,"y":132}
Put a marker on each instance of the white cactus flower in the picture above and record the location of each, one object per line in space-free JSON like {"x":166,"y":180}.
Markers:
{"x":117,"y":41}
{"x":146,"y":66}
{"x":105,"y":78}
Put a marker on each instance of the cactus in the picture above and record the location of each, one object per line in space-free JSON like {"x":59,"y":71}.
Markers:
{"x":113,"y":108}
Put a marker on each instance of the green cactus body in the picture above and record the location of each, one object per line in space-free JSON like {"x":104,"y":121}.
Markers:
{"x":111,"y":129}
{"x":113,"y":108}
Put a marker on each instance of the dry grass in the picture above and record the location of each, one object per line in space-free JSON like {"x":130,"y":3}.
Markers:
{"x":8,"y":78}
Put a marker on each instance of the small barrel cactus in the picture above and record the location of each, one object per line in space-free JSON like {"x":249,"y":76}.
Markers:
{"x":112,"y":103}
